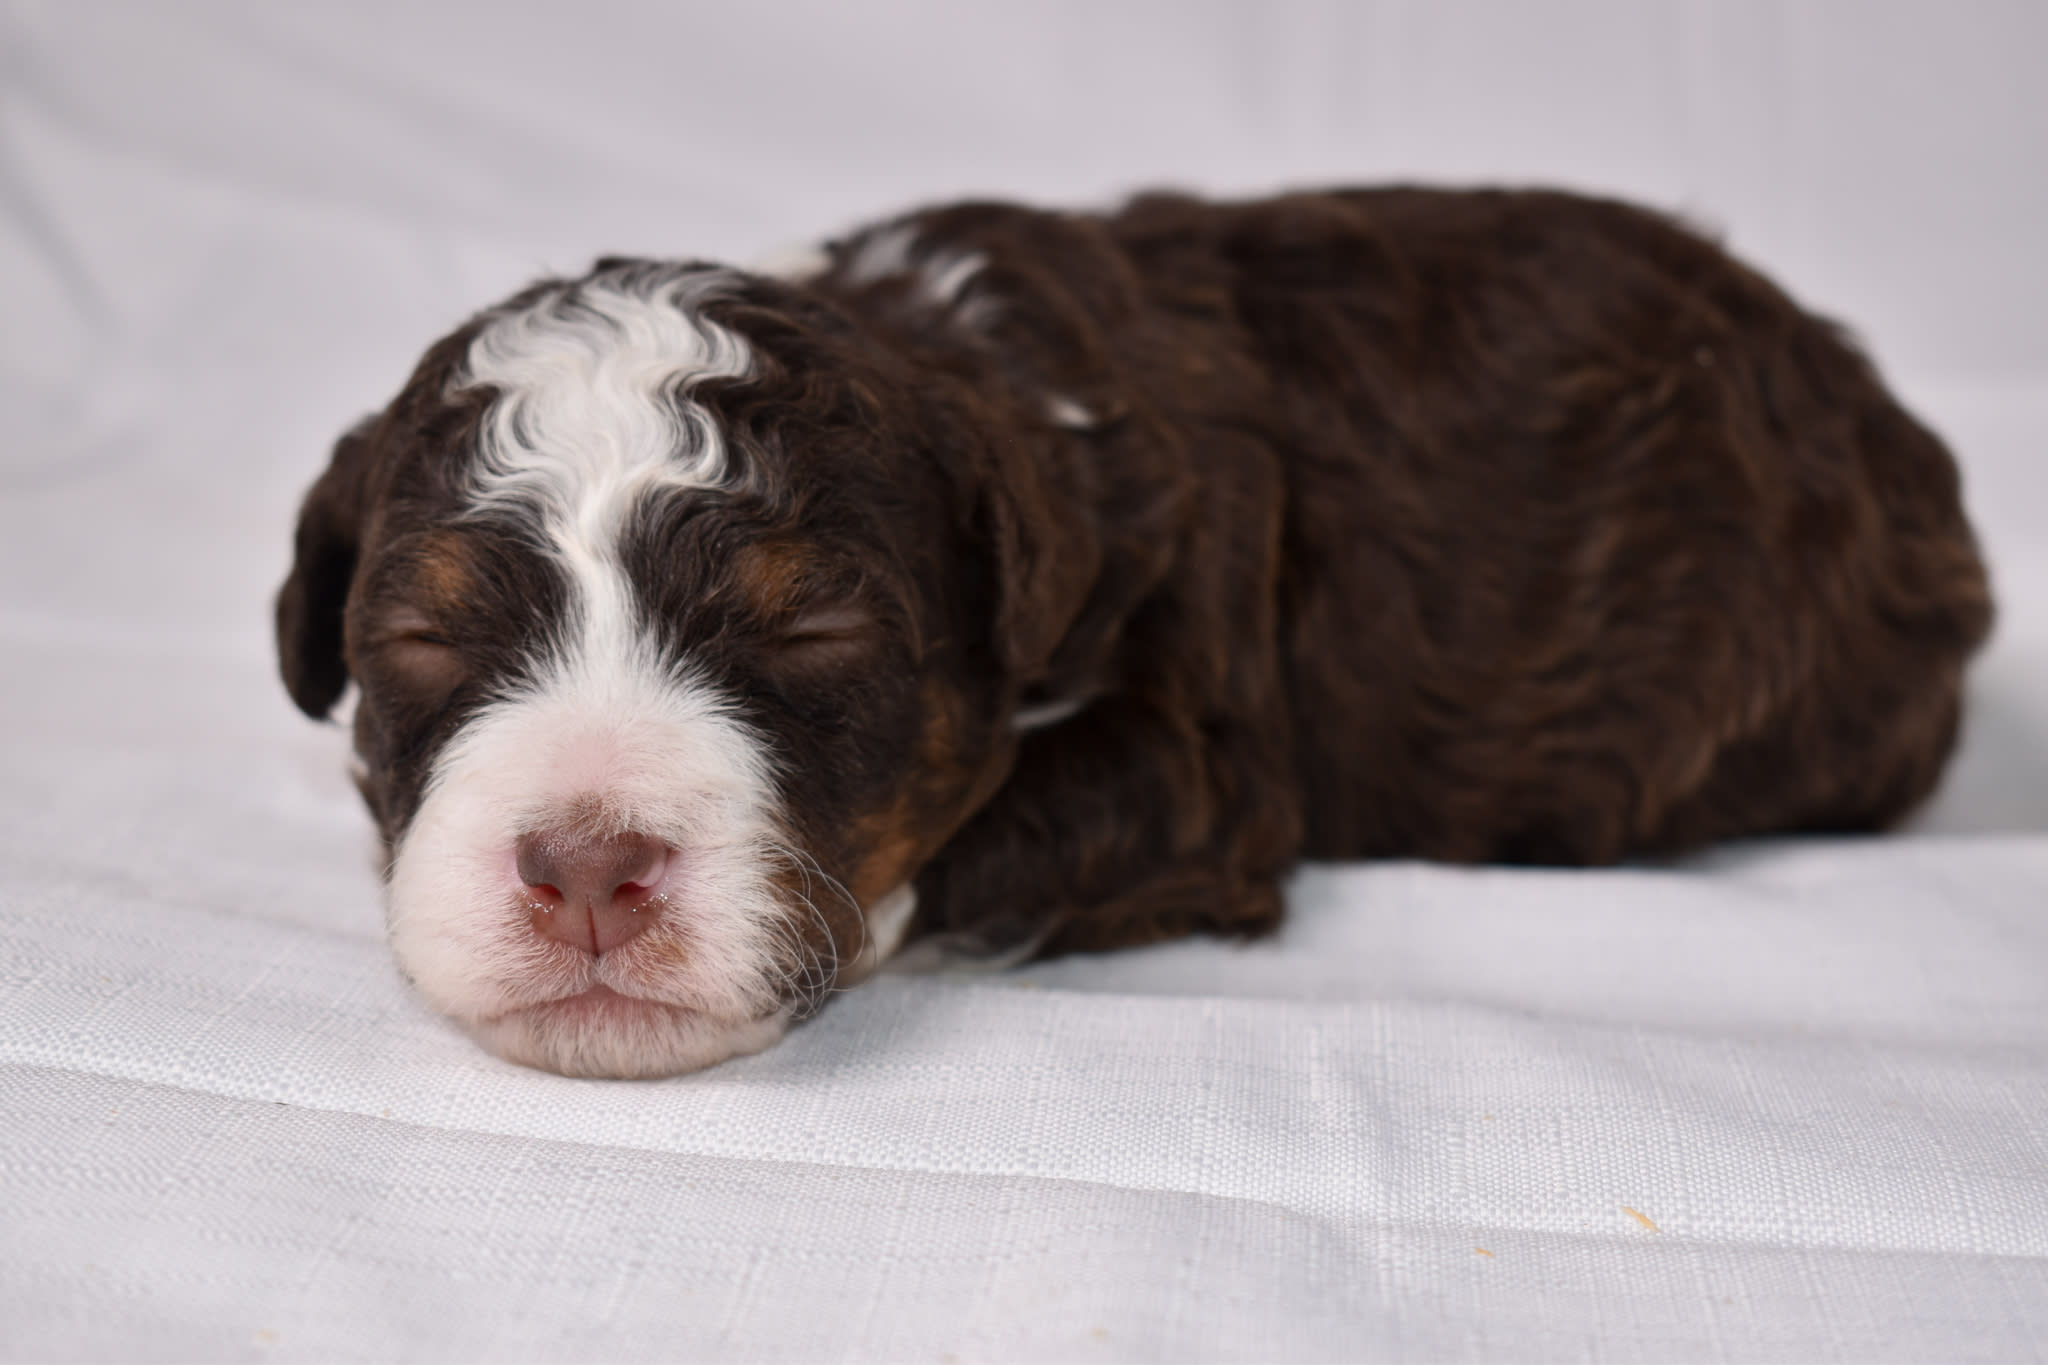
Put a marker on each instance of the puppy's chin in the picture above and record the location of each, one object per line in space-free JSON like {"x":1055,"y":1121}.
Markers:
{"x":601,"y":1033}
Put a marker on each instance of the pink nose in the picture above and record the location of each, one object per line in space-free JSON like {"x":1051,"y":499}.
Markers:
{"x":592,"y":893}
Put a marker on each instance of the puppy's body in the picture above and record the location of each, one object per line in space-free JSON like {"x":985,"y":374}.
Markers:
{"x":1030,"y":581}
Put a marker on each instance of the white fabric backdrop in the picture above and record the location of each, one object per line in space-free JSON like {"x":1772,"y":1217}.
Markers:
{"x":1413,"y":1126}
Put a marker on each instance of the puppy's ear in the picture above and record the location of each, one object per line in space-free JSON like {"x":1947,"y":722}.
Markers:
{"x":311,"y":603}
{"x":1047,"y":558}
{"x":1078,"y":505}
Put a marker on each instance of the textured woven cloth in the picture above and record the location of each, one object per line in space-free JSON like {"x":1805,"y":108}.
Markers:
{"x":1786,"y":1101}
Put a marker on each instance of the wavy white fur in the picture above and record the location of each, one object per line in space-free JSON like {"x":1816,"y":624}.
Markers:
{"x":592,"y":413}
{"x":591,"y":418}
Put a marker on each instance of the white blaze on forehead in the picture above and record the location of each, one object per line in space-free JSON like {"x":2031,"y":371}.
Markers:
{"x":592,"y":410}
{"x":592,"y":417}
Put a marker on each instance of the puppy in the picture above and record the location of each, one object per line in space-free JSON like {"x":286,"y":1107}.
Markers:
{"x":1021,"y":583}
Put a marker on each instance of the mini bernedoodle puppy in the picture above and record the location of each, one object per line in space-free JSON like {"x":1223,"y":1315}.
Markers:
{"x":1018,"y":583}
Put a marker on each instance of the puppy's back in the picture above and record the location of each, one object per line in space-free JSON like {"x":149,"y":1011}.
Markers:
{"x":1596,"y":542}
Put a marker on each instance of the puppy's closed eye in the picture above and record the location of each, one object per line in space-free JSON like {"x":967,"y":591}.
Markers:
{"x":831,"y":636}
{"x":414,"y":651}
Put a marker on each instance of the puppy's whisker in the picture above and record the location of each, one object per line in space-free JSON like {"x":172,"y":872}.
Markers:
{"x":821,"y":978}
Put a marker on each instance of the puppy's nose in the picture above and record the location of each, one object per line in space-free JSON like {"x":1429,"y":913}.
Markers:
{"x":593,"y":893}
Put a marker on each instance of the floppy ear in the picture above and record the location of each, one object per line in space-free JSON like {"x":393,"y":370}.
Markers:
{"x":1081,"y":504}
{"x":1047,"y":558}
{"x":311,"y":603}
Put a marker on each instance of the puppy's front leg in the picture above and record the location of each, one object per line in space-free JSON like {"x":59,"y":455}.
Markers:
{"x":1121,"y":825}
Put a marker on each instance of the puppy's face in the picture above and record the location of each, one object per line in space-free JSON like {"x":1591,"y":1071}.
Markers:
{"x":667,"y":605}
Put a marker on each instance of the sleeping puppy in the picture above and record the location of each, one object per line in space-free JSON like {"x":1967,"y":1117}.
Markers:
{"x":1011,"y":582}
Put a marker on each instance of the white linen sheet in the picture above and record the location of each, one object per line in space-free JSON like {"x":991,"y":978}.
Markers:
{"x":1787,"y":1100}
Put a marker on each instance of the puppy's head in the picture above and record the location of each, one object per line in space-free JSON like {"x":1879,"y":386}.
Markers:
{"x":687,"y":622}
